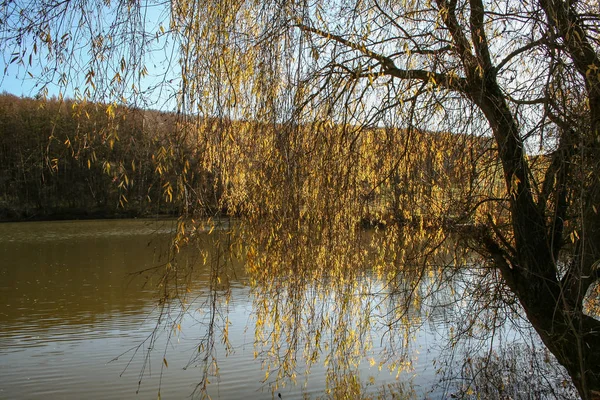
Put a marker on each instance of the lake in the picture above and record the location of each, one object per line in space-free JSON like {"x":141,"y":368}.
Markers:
{"x":77,"y":322}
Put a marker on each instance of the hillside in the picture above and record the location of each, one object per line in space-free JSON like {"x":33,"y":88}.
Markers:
{"x":65,"y":160}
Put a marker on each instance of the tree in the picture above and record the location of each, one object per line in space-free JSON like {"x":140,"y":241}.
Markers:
{"x":321,"y":104}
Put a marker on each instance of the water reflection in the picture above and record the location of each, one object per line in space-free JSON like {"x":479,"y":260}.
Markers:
{"x":76,"y":273}
{"x":75,"y":324}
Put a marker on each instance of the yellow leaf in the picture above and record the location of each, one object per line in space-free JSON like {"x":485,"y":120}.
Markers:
{"x":165,"y":362}
{"x":110,"y":111}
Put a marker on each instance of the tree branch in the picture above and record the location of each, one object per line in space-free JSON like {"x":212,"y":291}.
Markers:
{"x":479,"y":37}
{"x":386,"y":62}
{"x":518,"y":51}
{"x":448,"y":14}
{"x":569,"y":27}
{"x":420,"y":51}
{"x":388,"y":67}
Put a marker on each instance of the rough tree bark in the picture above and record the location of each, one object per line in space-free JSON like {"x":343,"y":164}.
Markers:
{"x":553,"y":300}
{"x":553,"y":305}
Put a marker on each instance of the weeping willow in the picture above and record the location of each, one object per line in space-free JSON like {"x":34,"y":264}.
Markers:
{"x":435,"y":152}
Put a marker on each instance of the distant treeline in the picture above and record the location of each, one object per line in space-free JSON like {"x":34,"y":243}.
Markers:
{"x":63,"y":159}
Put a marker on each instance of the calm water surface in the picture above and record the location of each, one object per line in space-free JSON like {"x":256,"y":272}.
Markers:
{"x":69,"y":307}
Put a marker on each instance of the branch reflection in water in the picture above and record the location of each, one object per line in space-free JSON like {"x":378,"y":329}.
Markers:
{"x":364,"y":318}
{"x":74,"y":302}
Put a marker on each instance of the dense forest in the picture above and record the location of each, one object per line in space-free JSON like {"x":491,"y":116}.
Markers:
{"x":64,"y":159}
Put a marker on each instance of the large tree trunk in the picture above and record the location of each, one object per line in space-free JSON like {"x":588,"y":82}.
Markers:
{"x":553,"y":303}
{"x":554,"y":310}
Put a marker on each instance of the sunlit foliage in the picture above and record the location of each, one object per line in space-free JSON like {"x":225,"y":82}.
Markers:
{"x":445,"y":126}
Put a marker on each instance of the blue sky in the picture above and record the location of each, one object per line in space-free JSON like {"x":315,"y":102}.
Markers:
{"x":17,"y":81}
{"x":155,"y":55}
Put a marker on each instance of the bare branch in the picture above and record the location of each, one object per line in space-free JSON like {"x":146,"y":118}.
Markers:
{"x":388,"y":66}
{"x":518,"y":51}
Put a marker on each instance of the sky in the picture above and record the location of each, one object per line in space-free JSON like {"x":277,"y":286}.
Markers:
{"x":158,"y":86}
{"x":16,"y":81}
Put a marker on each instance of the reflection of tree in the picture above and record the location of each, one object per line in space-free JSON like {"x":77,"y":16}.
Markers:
{"x":516,"y":372}
{"x":73,"y":275}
